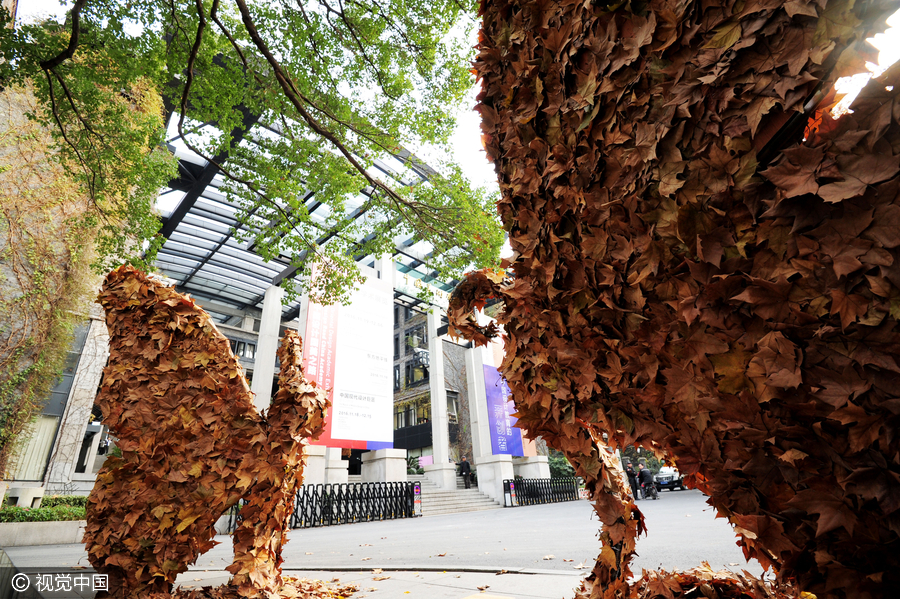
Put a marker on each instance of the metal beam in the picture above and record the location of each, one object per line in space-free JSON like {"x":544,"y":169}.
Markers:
{"x":206,"y":175}
{"x":291,"y":271}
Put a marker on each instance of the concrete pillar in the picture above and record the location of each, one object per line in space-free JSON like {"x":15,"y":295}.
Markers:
{"x":266,"y":348}
{"x":314,"y":471}
{"x":478,"y":412}
{"x":442,"y":472}
{"x":532,"y":466}
{"x":384,"y":465}
{"x":79,"y":404}
{"x":335,"y":468}
{"x":91,"y":456}
{"x":492,"y":471}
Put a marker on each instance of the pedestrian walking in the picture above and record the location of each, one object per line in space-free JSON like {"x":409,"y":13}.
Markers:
{"x":466,"y":470}
{"x":632,"y":479}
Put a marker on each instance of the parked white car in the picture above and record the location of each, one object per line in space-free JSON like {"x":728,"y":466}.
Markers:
{"x":668,"y":478}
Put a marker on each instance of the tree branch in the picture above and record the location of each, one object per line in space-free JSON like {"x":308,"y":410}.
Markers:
{"x":402,"y":205}
{"x":73,"y":39}
{"x":81,"y":119}
{"x":192,"y":58}
{"x":359,"y":44}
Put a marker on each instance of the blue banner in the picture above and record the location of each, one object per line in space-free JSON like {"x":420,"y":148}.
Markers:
{"x":505,"y":438}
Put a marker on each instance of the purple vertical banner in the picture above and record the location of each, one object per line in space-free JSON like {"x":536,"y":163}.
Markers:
{"x":505,"y":438}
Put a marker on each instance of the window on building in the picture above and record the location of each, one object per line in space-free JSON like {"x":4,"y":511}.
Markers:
{"x":416,"y":337}
{"x":396,"y":346}
{"x":243,"y":349}
{"x":407,"y":313}
{"x":31,"y":460}
{"x":453,"y":406}
{"x":415,"y":374}
{"x":404,"y":416}
{"x":423,"y":411}
{"x":396,"y":316}
{"x":397,"y":377}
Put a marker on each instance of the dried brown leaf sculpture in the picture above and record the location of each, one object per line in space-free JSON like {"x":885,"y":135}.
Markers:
{"x":192,"y":445}
{"x":693,"y":276}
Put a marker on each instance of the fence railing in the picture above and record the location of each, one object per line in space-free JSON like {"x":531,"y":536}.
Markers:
{"x":326,"y":505}
{"x":535,"y":491}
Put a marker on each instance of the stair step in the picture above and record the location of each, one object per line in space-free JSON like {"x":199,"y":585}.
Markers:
{"x":456,"y":502}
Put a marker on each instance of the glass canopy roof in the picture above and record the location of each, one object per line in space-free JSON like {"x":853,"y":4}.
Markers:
{"x":203,"y":257}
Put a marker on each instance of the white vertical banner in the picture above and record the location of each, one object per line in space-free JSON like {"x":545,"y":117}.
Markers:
{"x":358,"y":343}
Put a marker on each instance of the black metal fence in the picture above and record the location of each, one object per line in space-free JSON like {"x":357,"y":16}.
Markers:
{"x":326,"y":505}
{"x":535,"y":491}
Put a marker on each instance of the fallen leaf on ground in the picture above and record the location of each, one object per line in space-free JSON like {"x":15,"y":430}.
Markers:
{"x":484,"y":588}
{"x":568,"y":560}
{"x":502,"y":572}
{"x":441,"y":554}
{"x":549,"y":556}
{"x":380,"y":577}
{"x":377,"y":571}
{"x":365,"y":559}
{"x":580,"y":566}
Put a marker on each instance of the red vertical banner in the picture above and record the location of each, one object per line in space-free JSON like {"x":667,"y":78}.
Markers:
{"x":320,"y":355}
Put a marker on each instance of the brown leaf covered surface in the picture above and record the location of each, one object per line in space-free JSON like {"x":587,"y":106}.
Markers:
{"x":192,"y":445}
{"x":692,"y":276}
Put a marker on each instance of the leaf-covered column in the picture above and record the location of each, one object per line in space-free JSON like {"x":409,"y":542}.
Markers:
{"x":175,"y":399}
{"x":699,"y":267}
{"x":296,"y":414}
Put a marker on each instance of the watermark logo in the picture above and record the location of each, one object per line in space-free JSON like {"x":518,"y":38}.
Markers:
{"x":21,"y":582}
{"x":60,"y":582}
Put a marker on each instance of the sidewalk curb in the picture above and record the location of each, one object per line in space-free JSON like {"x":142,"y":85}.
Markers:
{"x":407,"y":568}
{"x":454,"y":569}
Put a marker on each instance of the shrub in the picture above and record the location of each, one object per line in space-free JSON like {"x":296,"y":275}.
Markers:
{"x":57,"y":500}
{"x":559,"y":465}
{"x":41,"y":514}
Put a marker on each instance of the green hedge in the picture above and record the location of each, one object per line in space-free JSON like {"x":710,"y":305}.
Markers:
{"x":41,"y":514}
{"x":57,"y":500}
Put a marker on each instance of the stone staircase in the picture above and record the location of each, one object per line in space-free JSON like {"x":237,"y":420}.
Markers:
{"x":436,"y":501}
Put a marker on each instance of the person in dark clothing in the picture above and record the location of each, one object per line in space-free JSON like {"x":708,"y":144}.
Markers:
{"x":466,"y":470}
{"x":645,"y":477}
{"x":632,"y":479}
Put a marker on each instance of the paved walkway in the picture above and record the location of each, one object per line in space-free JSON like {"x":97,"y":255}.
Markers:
{"x":450,"y":557}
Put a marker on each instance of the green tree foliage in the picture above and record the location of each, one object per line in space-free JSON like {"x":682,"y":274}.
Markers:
{"x":342,"y":82}
{"x":559,"y":465}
